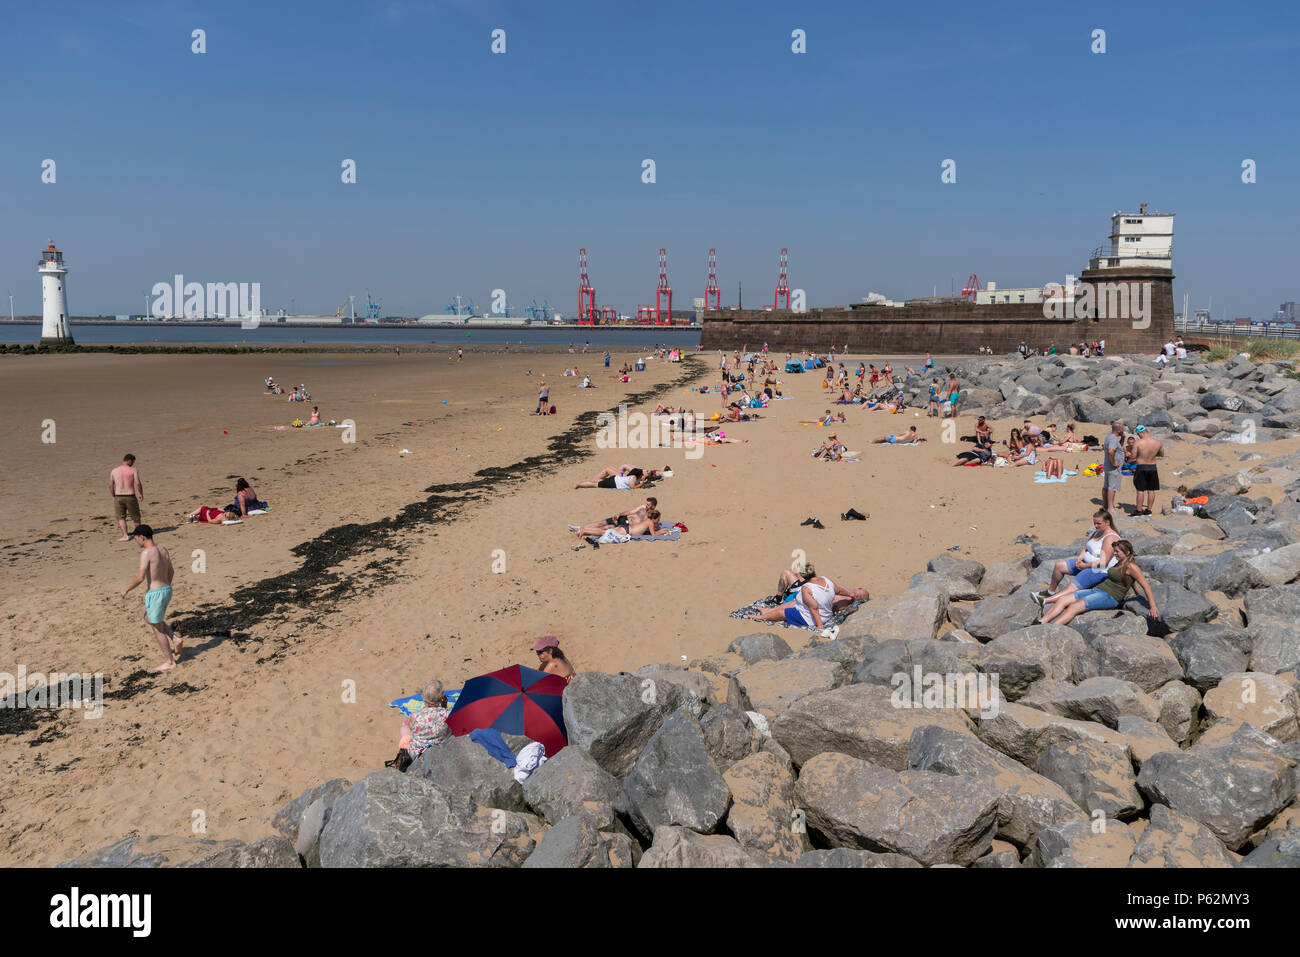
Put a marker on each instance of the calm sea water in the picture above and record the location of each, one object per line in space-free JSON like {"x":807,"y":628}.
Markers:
{"x":273,"y":334}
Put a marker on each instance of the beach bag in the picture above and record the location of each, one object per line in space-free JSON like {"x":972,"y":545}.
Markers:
{"x":552,"y":410}
{"x":401,"y":762}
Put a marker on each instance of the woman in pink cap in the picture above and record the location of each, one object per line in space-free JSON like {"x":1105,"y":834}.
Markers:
{"x":552,"y":658}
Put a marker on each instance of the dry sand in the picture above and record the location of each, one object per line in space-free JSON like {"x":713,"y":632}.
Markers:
{"x":254,"y":716}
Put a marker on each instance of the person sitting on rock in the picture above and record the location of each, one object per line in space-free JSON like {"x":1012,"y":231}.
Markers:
{"x":428,"y":726}
{"x":1109,"y":594}
{"x":552,"y":659}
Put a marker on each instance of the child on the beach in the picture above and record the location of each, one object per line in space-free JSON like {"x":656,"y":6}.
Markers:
{"x":933,"y":411}
{"x":1184,"y":504}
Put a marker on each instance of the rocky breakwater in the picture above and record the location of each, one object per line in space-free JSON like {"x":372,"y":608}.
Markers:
{"x":942,"y":727}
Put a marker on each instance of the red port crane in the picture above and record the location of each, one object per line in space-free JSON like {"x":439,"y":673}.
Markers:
{"x":712,"y":294}
{"x":783,"y":282}
{"x":972,"y":287}
{"x":664,"y":294}
{"x":587,"y":313}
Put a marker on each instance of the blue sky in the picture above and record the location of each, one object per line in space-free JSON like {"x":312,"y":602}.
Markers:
{"x":477,"y":171}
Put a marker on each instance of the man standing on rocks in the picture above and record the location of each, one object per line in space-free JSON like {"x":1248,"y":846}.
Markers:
{"x":1112,"y":462}
{"x":1146,"y":478}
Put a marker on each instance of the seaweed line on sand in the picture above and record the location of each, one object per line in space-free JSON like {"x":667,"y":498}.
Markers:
{"x":317,"y":585}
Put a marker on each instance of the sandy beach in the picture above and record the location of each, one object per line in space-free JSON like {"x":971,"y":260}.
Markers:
{"x":293,"y":653}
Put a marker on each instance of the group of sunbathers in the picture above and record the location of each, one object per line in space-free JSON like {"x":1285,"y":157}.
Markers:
{"x":1025,"y":446}
{"x":246,"y":503}
{"x":641,"y":520}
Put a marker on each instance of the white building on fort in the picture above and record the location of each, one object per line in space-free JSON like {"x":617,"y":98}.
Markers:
{"x":1137,"y":239}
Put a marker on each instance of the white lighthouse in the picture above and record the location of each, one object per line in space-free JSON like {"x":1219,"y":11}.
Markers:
{"x":54,"y":296}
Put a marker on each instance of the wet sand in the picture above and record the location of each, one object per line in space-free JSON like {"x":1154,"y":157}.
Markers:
{"x":376,"y":570}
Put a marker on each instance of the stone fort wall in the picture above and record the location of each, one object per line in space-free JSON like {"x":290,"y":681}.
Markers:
{"x":951,"y":327}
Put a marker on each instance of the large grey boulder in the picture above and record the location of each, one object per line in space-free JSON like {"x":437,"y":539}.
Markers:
{"x":1101,"y":699}
{"x":1147,"y":662}
{"x":1233,"y":790}
{"x":953,"y":588}
{"x":1180,"y":706}
{"x":729,"y":735}
{"x":572,"y":783}
{"x":1021,"y":657}
{"x":1104,"y":842}
{"x":1179,"y":608}
{"x":1171,"y":839}
{"x":681,"y":847}
{"x":388,"y":819}
{"x":275,"y":851}
{"x":1144,"y":738}
{"x":931,"y":818}
{"x":771,"y":686}
{"x":1208,"y":652}
{"x":463,"y":766}
{"x":1230,"y":572}
{"x":1281,"y":602}
{"x":849,"y":857}
{"x":693,"y":684}
{"x":154,"y":850}
{"x":1278,"y":850}
{"x":993,"y":617}
{"x":674,"y":781}
{"x":286,"y":819}
{"x":1101,"y":624}
{"x":950,"y":566}
{"x":613,"y":716}
{"x":1027,"y":803}
{"x":917,"y":613}
{"x":1098,"y":776}
{"x":1002,"y":578}
{"x":870,"y":722}
{"x":1024,"y":733}
{"x":762,"y":646}
{"x":1280,"y":566}
{"x":1269,"y":702}
{"x":763,"y":818}
{"x":1275,"y":645}
{"x":578,"y":842}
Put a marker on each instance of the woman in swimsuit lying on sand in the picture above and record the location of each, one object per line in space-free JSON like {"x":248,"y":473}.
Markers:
{"x":211,"y":515}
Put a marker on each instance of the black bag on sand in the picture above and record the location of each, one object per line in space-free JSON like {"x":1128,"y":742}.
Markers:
{"x":401,"y":762}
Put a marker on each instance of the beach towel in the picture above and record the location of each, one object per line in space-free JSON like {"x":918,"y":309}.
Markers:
{"x":411,"y":703}
{"x":671,"y":536}
{"x":772,"y":601}
{"x":494,"y":744}
{"x":531,"y":757}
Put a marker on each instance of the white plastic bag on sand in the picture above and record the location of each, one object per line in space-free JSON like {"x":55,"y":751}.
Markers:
{"x":614,"y":537}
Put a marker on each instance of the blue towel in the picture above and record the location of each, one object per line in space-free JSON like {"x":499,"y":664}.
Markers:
{"x":494,"y":744}
{"x":411,"y":703}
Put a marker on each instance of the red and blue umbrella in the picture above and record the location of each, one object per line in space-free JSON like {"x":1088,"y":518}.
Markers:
{"x":514,"y":700}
